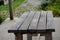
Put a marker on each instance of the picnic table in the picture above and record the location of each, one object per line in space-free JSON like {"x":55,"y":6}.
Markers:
{"x":34,"y":22}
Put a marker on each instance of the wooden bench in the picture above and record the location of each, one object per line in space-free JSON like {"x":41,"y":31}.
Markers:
{"x":34,"y":23}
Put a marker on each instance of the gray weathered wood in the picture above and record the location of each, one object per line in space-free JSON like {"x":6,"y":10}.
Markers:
{"x":33,"y":25}
{"x":27,"y":22}
{"x":19,"y":23}
{"x":34,"y":22}
{"x":50,"y":20}
{"x":42,"y":21}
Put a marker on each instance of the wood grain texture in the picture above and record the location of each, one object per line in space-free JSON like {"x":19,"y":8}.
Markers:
{"x":27,"y":22}
{"x":34,"y":22}
{"x":19,"y":23}
{"x":50,"y":21}
{"x":42,"y":21}
{"x":33,"y":25}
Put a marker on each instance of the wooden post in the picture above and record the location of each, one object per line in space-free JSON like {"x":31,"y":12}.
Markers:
{"x":10,"y":9}
{"x":18,"y":36}
{"x":48,"y":36}
{"x":29,"y":36}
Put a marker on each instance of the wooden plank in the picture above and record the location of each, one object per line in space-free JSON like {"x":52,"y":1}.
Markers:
{"x":42,"y":21}
{"x":27,"y":22}
{"x":19,"y":23}
{"x":50,"y":21}
{"x":33,"y":25}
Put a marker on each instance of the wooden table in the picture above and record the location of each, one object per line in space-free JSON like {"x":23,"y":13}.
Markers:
{"x":34,"y":22}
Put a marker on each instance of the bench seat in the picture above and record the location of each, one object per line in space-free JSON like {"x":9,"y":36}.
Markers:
{"x":34,"y":22}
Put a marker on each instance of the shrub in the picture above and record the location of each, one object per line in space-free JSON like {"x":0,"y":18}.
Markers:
{"x":55,"y":9}
{"x":38,"y":8}
{"x":1,"y":19}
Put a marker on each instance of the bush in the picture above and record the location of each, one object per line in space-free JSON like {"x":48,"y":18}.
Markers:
{"x":38,"y":8}
{"x":55,"y":9}
{"x":1,"y":19}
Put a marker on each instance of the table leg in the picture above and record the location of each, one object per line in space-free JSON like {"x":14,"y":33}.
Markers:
{"x":29,"y":36}
{"x":48,"y":36}
{"x":18,"y":36}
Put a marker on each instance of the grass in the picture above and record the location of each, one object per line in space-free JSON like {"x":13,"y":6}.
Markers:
{"x":4,"y":9}
{"x":16,"y":3}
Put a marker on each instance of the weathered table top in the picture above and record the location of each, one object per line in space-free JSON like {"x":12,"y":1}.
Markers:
{"x":34,"y":22}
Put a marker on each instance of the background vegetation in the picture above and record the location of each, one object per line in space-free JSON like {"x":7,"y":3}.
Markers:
{"x":55,"y":7}
{"x":15,"y":5}
{"x":1,"y":19}
{"x":4,"y":9}
{"x":0,"y":0}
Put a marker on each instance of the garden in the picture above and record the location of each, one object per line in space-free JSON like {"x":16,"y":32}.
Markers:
{"x":53,"y":5}
{"x":4,"y":9}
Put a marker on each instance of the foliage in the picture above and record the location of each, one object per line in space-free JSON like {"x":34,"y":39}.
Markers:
{"x":4,"y":13}
{"x":0,"y":0}
{"x":4,"y":7}
{"x":38,"y":8}
{"x":3,"y":16}
{"x":1,"y":19}
{"x":15,"y":4}
{"x":55,"y":10}
{"x":56,"y":1}
{"x":55,"y":7}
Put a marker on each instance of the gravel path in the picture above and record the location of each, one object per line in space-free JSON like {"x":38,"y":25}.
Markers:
{"x":34,"y":2}
{"x":29,"y":5}
{"x":4,"y":35}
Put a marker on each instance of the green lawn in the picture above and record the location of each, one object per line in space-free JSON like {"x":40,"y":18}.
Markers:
{"x":16,"y":3}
